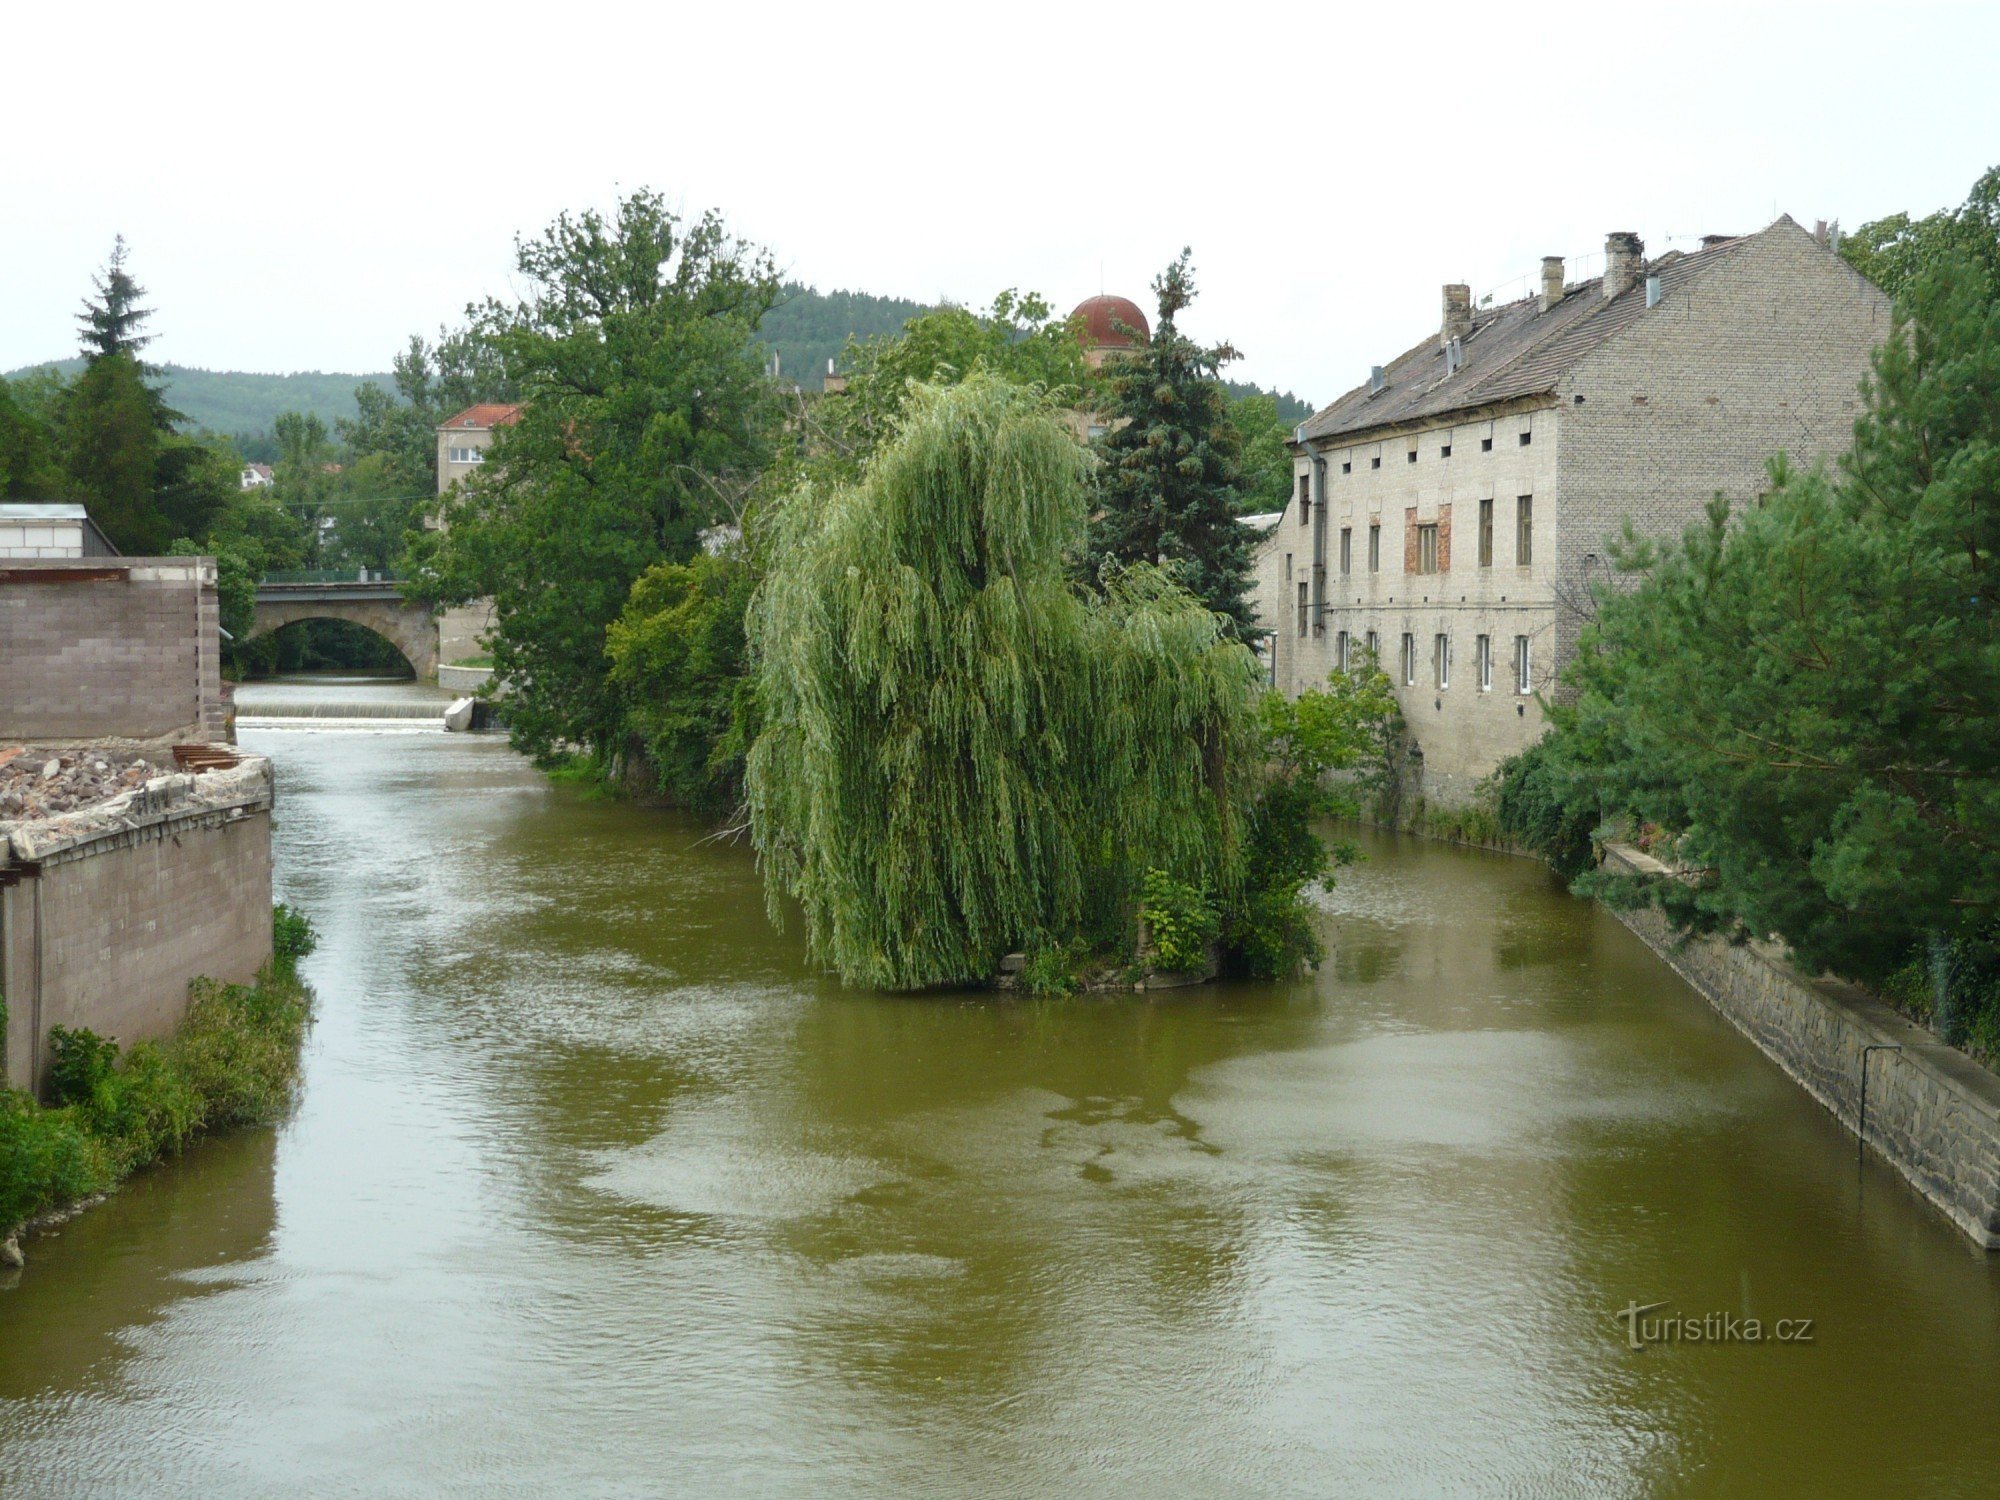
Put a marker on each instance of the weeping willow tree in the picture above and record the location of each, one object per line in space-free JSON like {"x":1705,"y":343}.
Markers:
{"x":964,"y":753}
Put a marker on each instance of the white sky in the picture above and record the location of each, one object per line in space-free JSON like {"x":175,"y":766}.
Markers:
{"x":304,"y":186}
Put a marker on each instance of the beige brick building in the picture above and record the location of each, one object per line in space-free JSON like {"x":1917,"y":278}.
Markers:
{"x":462,"y":443}
{"x":1452,"y":512}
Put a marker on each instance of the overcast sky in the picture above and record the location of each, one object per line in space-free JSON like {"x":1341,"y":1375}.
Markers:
{"x":304,"y":186}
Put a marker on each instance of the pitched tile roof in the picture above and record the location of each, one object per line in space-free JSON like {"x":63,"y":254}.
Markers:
{"x":486,"y":414}
{"x":1513,"y":350}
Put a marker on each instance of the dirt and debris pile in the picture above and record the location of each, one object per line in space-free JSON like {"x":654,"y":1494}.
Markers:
{"x":42,"y":783}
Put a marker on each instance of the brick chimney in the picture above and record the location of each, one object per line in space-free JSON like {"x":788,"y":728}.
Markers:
{"x":1552,"y":281}
{"x":1457,"y":313}
{"x":1624,"y":259}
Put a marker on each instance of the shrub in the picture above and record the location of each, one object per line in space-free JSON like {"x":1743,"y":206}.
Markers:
{"x":292,"y":935}
{"x":1182,"y":921}
{"x":80,"y":1061}
{"x":46,"y":1158}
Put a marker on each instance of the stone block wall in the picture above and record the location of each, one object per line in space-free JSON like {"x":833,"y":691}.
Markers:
{"x":122,"y":648}
{"x":104,"y":919}
{"x":1933,"y":1114}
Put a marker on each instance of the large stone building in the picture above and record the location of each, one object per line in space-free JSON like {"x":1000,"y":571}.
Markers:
{"x":462,"y":443}
{"x":1452,"y":512}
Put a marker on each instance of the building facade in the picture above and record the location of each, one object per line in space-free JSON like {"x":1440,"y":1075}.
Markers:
{"x":463,"y":440}
{"x":1452,"y":514}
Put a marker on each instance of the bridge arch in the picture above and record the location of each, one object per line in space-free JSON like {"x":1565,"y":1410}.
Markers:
{"x":410,"y":628}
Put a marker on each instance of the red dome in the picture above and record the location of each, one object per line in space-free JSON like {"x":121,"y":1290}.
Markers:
{"x":1101,"y":317}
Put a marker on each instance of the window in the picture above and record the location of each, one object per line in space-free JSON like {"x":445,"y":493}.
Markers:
{"x":1522,"y":684}
{"x":1347,"y":467}
{"x":1524,"y":530}
{"x":1427,"y":548}
{"x":1482,"y":655}
{"x":1340,"y":651}
{"x":1375,"y":462}
{"x":1413,"y":455}
{"x":1527,"y":438}
{"x":1486,"y":532}
{"x":1305,"y":609}
{"x":1375,"y":547}
{"x":1305,"y":499}
{"x":1441,"y":660}
{"x":1346,"y":550}
{"x":1486,"y":445}
{"x":1288,"y":565}
{"x":1444,"y":451}
{"x":1409,"y":660}
{"x":466,"y":456}
{"x":1374,"y":650}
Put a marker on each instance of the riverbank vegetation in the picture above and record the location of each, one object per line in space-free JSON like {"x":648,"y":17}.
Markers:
{"x":232,"y":1061}
{"x":1798,"y":704}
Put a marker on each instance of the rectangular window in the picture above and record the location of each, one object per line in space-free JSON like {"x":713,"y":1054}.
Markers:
{"x":467,"y":456}
{"x":1527,"y":438}
{"x":1375,"y":462}
{"x":1486,"y":445}
{"x":1305,"y":609}
{"x":1413,"y":455}
{"x":1340,"y":651}
{"x":1375,"y":548}
{"x":1441,"y":660}
{"x":1524,"y":530}
{"x":1374,"y":650}
{"x":1346,"y":549}
{"x":1483,"y":657}
{"x":1427,"y":548}
{"x":1522,"y":682}
{"x":1486,"y":533}
{"x":1445,"y":451}
{"x":1305,"y":499}
{"x":1409,"y":660}
{"x":1288,"y":566}
{"x":1347,"y":467}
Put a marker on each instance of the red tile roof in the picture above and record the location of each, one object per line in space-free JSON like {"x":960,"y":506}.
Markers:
{"x":487,"y":414}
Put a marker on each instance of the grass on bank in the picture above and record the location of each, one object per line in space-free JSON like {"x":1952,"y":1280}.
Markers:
{"x":232,"y":1061}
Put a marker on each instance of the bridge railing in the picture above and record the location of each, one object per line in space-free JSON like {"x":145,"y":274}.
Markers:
{"x":334,"y":575}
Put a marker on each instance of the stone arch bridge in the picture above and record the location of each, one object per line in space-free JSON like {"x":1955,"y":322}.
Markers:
{"x":373,"y":602}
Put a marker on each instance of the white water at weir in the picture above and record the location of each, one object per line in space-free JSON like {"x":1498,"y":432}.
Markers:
{"x":342,"y":701}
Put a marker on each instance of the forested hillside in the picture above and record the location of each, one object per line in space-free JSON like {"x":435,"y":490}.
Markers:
{"x":808,"y":327}
{"x":236,"y":401}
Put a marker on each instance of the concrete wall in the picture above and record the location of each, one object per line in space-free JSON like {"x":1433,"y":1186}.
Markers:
{"x":1933,"y":1114}
{"x":52,"y":538}
{"x":110,"y":648}
{"x":105,"y":918}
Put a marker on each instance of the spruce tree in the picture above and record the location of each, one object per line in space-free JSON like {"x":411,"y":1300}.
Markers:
{"x":112,"y":320}
{"x":1168,"y":488}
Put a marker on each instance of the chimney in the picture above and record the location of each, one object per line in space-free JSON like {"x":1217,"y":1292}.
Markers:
{"x":1457,"y":313}
{"x":1624,"y":258}
{"x":1552,"y":281}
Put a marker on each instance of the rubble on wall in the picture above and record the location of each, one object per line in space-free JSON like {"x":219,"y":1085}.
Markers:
{"x":52,"y":800}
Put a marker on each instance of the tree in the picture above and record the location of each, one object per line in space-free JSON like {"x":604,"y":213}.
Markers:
{"x":28,"y":466}
{"x":1168,"y":493}
{"x":112,"y":321}
{"x":111,"y":452}
{"x":431,"y":382}
{"x":1804,"y":696}
{"x":963,"y":752}
{"x":1896,"y":251}
{"x":1264,"y":481}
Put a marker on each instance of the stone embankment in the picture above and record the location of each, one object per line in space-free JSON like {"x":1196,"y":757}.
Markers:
{"x":1932,"y":1112}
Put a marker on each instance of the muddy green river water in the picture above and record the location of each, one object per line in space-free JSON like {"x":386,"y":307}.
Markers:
{"x":594,"y":1189}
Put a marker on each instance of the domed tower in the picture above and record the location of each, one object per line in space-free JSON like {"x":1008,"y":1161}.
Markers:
{"x":1110,"y":325}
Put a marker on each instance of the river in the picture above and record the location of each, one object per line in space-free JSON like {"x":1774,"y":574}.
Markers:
{"x":593,"y":1188}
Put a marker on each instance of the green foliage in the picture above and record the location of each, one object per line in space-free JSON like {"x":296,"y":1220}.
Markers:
{"x":645,"y":410}
{"x":962,"y":753}
{"x":1180,"y":920}
{"x":396,"y":422}
{"x":1264,"y":481}
{"x":111,"y":321}
{"x":680,"y":665}
{"x":1019,"y":339}
{"x":29,"y":467}
{"x":1050,"y":969}
{"x":1172,"y":462}
{"x":232,"y":1061}
{"x":242,"y":403}
{"x":1897,"y":252}
{"x":111,"y":449}
{"x":805,"y":328}
{"x":1547,"y":801}
{"x":292,"y":935}
{"x":1289,"y":409}
{"x":1805,"y":696}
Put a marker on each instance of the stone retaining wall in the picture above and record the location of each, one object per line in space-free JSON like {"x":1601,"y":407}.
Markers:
{"x":107,"y":913}
{"x":1933,"y":1113}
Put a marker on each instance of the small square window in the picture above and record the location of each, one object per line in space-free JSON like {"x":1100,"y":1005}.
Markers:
{"x":1347,"y":468}
{"x":1413,"y":455}
{"x":1444,"y":451}
{"x":1527,"y":438}
{"x":1375,"y":462}
{"x":1486,"y":445}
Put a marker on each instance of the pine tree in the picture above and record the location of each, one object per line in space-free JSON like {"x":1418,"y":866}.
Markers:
{"x":112,"y":321}
{"x":1168,"y":492}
